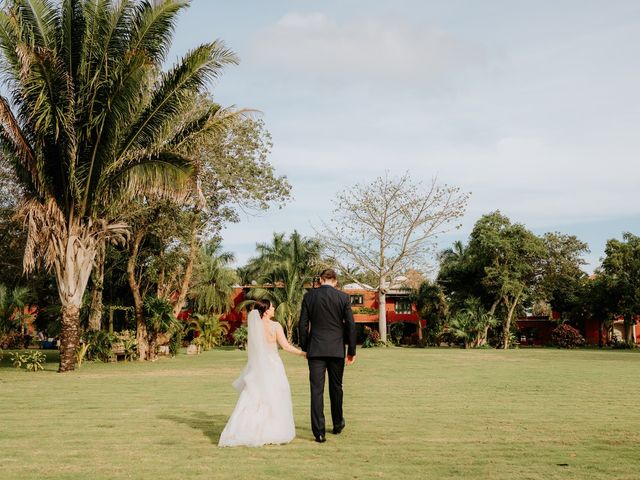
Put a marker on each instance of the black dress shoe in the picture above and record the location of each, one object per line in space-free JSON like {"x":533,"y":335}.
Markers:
{"x":339,"y":428}
{"x":321,"y":439}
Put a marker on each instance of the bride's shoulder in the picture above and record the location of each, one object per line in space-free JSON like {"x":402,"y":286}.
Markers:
{"x":275,"y":324}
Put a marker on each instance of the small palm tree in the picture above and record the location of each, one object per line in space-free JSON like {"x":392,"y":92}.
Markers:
{"x":12,"y":307}
{"x":470,"y":323}
{"x":213,"y":288}
{"x":92,"y":123}
{"x":287,"y":266}
{"x":210,"y":330}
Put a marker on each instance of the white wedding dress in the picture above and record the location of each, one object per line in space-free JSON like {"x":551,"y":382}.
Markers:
{"x":264,"y":413}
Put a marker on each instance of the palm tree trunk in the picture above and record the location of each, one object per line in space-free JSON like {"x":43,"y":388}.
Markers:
{"x":188,"y":272}
{"x":69,"y":337}
{"x":142,"y":336}
{"x":95,"y":313}
{"x":72,"y":271}
{"x":290,"y":322}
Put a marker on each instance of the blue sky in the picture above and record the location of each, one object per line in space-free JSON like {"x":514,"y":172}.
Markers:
{"x":534,"y":107}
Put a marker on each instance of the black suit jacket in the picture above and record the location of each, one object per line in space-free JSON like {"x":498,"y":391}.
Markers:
{"x":326,"y":323}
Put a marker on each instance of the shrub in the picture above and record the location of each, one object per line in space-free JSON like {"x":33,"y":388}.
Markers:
{"x":14,"y":340}
{"x":565,"y":336}
{"x":365,"y":311}
{"x":372,"y":338}
{"x":127,"y":340}
{"x":240,"y":336}
{"x":17,"y":359}
{"x":175,"y":342}
{"x":619,"y":344}
{"x":208,"y":330}
{"x":396,"y":332}
{"x":35,"y":361}
{"x":99,"y":344}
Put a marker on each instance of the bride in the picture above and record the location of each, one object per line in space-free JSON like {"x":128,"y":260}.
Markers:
{"x":263,"y":414}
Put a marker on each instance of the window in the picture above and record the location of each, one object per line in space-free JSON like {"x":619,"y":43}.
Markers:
{"x":403,"y":306}
{"x":357,"y":299}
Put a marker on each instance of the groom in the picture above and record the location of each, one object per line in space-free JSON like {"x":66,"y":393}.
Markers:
{"x":326,"y":325}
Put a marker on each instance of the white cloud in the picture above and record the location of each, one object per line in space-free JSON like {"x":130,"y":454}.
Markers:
{"x":382,"y":48}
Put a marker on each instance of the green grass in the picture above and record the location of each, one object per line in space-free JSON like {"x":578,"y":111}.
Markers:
{"x":435,"y":413}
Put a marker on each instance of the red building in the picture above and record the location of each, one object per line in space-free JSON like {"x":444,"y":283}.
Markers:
{"x":536,"y":330}
{"x":364,"y":301}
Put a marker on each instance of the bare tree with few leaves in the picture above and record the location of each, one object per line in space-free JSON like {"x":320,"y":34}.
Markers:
{"x":388,"y":226}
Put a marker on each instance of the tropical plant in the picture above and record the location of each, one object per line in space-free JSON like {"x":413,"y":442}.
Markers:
{"x":372,"y":338}
{"x":284,"y":267}
{"x":432,"y":306}
{"x":396,"y":332}
{"x":213,"y":288}
{"x":127,"y":338}
{"x":12,"y":308}
{"x":176,"y":342}
{"x":92,"y":124}
{"x":470,"y":323}
{"x":17,"y":359}
{"x":97,"y":345}
{"x":240,"y":337}
{"x":35,"y":361}
{"x":209,"y":331}
{"x":81,"y":353}
{"x":159,"y":320}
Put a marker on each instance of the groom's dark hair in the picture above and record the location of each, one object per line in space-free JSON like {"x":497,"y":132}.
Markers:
{"x":329,"y":274}
{"x":262,"y":306}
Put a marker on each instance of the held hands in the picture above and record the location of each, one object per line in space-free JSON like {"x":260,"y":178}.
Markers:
{"x":350,"y":359}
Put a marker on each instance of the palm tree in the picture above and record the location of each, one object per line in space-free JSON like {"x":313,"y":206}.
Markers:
{"x":213,"y":288}
{"x":91,"y":123}
{"x":471,"y":323}
{"x":287,"y":266}
{"x":12,"y":307}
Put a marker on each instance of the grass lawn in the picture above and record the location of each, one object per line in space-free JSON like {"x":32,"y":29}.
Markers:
{"x":411,"y":413}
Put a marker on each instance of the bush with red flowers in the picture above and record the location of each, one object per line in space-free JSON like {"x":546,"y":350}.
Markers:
{"x":565,"y":336}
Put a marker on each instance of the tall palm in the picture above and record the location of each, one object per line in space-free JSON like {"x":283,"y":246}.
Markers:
{"x":91,"y":124}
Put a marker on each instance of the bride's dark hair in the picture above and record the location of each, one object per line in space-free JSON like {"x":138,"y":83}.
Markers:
{"x":262,"y":306}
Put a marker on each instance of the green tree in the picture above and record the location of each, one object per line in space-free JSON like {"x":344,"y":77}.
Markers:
{"x":621,"y":277}
{"x":286,"y":266}
{"x":91,"y":125}
{"x":470,"y":323}
{"x":433,"y":307}
{"x":232,"y":174}
{"x":212,"y":291}
{"x":12,"y":304}
{"x":562,"y":280}
{"x":511,"y":255}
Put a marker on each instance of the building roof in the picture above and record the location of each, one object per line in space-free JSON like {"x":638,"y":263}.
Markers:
{"x":358,"y":286}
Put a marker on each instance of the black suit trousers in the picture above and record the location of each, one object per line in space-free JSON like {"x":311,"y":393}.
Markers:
{"x":317,"y":368}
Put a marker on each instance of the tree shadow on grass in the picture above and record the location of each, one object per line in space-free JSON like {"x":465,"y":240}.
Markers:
{"x":210,"y":425}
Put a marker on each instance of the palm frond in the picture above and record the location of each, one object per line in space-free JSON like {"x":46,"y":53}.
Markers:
{"x":164,"y":176}
{"x":175,"y":88}
{"x":153,"y":27}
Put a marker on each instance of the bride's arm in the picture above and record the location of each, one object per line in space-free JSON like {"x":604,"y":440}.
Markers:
{"x":286,"y":346}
